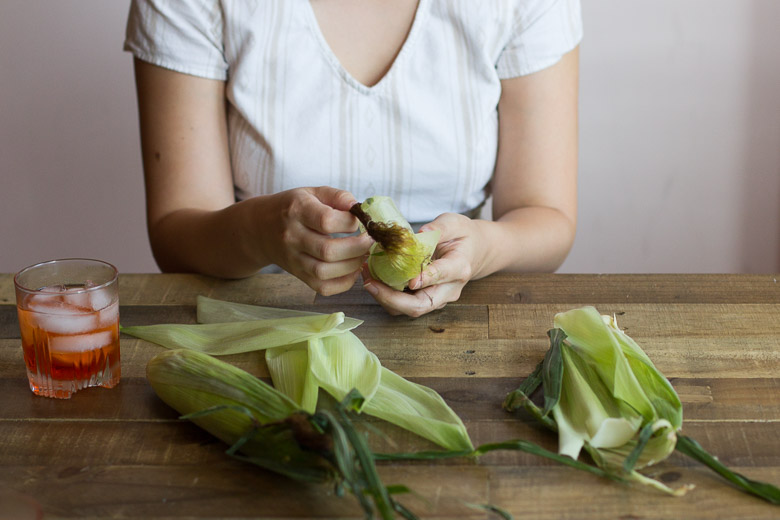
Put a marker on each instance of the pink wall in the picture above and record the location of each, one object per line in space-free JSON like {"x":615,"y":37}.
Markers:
{"x":680,"y":126}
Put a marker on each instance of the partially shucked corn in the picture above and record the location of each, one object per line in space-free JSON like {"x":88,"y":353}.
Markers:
{"x":192,"y":382}
{"x":399,"y":253}
{"x":306,"y":352}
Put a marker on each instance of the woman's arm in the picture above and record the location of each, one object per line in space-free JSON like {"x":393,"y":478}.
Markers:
{"x":534,"y":196}
{"x":193,"y":221}
{"x":535,"y":183}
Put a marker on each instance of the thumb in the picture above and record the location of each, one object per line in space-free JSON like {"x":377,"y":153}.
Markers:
{"x":448,"y":224}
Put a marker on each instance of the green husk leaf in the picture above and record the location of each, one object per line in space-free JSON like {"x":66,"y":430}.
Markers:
{"x":552,"y":370}
{"x":382,"y":499}
{"x":587,"y":333}
{"x":289,"y":369}
{"x":512,"y":445}
{"x":218,"y":339}
{"x":418,"y":409}
{"x":528,"y":386}
{"x":341,"y":363}
{"x":517,"y":399}
{"x":644,"y":438}
{"x":392,"y":398}
{"x":693,"y":449}
{"x":210,"y":310}
{"x":190,"y":381}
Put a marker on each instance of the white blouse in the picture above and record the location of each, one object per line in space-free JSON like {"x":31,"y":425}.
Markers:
{"x":425,"y":135}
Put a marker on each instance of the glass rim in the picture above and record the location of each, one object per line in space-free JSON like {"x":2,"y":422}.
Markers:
{"x":103,"y":285}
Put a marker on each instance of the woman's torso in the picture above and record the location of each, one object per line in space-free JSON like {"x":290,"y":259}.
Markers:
{"x":425,"y":134}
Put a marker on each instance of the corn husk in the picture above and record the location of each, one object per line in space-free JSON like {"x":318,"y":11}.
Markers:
{"x":606,"y":396}
{"x":219,"y":339}
{"x":396,"y":262}
{"x":306,"y":352}
{"x":418,"y":409}
{"x":192,"y":382}
{"x":265,"y":428}
{"x":210,"y":310}
{"x":610,"y":392}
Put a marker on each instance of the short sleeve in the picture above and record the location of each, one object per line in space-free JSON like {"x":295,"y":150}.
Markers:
{"x":544,"y":31}
{"x":185,"y":36}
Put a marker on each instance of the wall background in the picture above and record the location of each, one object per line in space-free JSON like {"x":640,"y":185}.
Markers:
{"x":680,"y":137}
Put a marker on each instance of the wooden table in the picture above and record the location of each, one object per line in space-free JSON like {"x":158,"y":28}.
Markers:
{"x":123,"y":453}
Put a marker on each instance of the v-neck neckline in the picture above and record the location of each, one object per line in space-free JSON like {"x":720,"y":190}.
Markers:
{"x":420,"y":15}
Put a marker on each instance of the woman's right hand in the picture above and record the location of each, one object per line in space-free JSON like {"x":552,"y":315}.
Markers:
{"x":194,"y":223}
{"x":295,"y":228}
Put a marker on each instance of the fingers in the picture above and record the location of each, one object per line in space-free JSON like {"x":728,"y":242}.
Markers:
{"x":335,"y":198}
{"x":446,"y":269}
{"x":327,"y":249}
{"x":318,"y":270}
{"x":327,"y":211}
{"x":449,"y":224}
{"x":334,"y":285}
{"x":413,"y":304}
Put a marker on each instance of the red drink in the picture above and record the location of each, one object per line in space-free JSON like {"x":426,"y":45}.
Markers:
{"x":70,"y":336}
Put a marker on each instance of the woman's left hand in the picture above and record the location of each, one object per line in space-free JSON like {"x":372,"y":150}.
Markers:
{"x":455,"y":263}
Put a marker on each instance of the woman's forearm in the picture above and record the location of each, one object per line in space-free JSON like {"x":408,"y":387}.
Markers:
{"x":217,"y":243}
{"x":530,"y":239}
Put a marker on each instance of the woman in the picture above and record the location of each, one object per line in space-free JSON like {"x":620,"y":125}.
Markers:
{"x":262,"y":122}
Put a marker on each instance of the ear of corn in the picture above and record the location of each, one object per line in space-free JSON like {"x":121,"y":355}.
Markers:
{"x":236,"y":402}
{"x":307,"y":351}
{"x":191,"y":381}
{"x":611,"y":391}
{"x":613,"y":401}
{"x":268,"y":429}
{"x":399,"y":254}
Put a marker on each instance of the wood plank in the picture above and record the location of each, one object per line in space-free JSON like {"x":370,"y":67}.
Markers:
{"x":580,"y":289}
{"x":183,"y":289}
{"x":484,"y":360}
{"x":505,"y":288}
{"x":647,"y":320}
{"x":227,"y":489}
{"x":122,"y":452}
{"x":473,"y":399}
{"x":168,"y":440}
{"x":559,"y":494}
{"x":7,"y":291}
{"x":459,"y":322}
{"x":713,"y":400}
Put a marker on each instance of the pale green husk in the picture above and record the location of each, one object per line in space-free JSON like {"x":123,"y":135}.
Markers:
{"x":610,"y":391}
{"x":306,"y":352}
{"x":397,"y":269}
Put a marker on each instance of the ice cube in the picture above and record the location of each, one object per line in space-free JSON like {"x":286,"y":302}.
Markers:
{"x":54,"y":316}
{"x":99,"y":299}
{"x":78,"y":297}
{"x":109,"y":316}
{"x":50,"y":304}
{"x":72,"y":323}
{"x":80,"y":342}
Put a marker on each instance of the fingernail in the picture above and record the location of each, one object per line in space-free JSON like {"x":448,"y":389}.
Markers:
{"x":370,"y":288}
{"x":415,"y":284}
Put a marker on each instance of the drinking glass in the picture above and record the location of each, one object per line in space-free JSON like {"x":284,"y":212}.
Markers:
{"x":69,"y":322}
